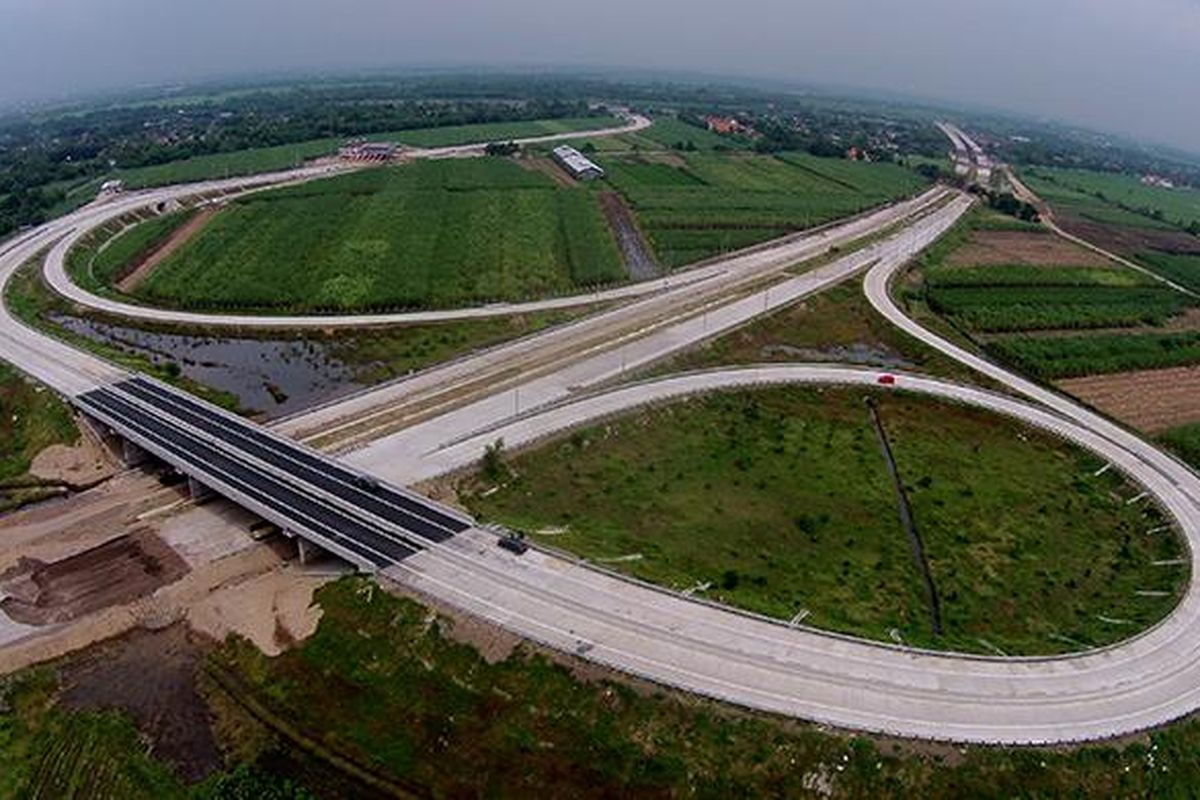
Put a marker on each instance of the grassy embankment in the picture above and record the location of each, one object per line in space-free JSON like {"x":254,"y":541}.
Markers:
{"x":382,"y":684}
{"x":31,"y":301}
{"x":432,"y":233}
{"x":31,"y":419}
{"x":101,"y":258}
{"x":780,"y":500}
{"x":696,"y":205}
{"x":386,"y":685}
{"x":837,"y":325}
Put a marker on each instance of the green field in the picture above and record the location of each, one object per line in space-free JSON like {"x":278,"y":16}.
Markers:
{"x":31,"y":419}
{"x":780,"y":501}
{"x":1006,"y":308}
{"x":1179,"y":207}
{"x":1075,"y":356}
{"x":697,"y":205}
{"x":495,"y":131}
{"x":227,"y":165}
{"x":428,"y":234}
{"x":1180,"y":268}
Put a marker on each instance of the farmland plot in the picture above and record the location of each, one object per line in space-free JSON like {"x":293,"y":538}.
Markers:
{"x":716,"y":202}
{"x":429,"y":234}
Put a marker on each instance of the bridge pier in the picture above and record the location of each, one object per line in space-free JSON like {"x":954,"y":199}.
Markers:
{"x":307,"y":551}
{"x":197,"y":490}
{"x":132,"y":455}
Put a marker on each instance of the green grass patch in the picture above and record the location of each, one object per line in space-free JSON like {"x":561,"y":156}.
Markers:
{"x":1177,"y":267}
{"x":31,"y":419}
{"x":781,"y":501}
{"x":838,"y":324}
{"x":429,"y":234}
{"x":1074,"y":356}
{"x":383,"y":682}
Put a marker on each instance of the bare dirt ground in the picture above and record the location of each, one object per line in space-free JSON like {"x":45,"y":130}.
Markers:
{"x":1149,"y":400}
{"x":140,"y":269}
{"x":550,"y":168}
{"x":634,"y":251}
{"x":1128,"y":240}
{"x":78,"y":466}
{"x":150,"y":675}
{"x":989,"y":248}
{"x":273,"y":610}
{"x":77,"y":562}
{"x":118,"y":571}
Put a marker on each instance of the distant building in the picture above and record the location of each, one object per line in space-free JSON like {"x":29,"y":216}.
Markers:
{"x":368,"y":151}
{"x":580,"y":166}
{"x":727,"y":126}
{"x":1158,"y":181}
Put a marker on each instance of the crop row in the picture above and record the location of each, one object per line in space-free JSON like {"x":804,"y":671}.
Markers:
{"x":706,"y":203}
{"x":1181,"y":268}
{"x":944,"y":275}
{"x":1074,"y":356}
{"x":1017,"y":308}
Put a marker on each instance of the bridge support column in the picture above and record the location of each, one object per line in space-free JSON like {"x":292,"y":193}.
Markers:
{"x":197,"y":490}
{"x":132,"y":455}
{"x":307,"y":551}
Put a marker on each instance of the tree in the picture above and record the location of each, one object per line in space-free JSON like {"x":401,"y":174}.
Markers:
{"x":492,"y":465}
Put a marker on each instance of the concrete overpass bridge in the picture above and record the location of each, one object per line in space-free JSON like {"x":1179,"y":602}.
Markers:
{"x":311,"y":497}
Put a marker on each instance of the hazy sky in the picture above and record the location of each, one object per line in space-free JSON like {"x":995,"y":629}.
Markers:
{"x":1124,"y":65}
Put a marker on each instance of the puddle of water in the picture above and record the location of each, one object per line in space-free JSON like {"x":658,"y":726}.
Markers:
{"x":274,"y":377}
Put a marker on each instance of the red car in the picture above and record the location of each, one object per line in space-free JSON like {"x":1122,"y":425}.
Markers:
{"x":887,"y":380}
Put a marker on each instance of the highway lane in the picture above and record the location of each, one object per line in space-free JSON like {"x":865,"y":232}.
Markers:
{"x":509,"y":366}
{"x":300,"y":490}
{"x":419,"y":430}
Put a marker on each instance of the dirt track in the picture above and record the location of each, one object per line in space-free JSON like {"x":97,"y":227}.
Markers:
{"x":141,"y":269}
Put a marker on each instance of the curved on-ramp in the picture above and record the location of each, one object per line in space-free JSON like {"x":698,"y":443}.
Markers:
{"x":1140,"y":683}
